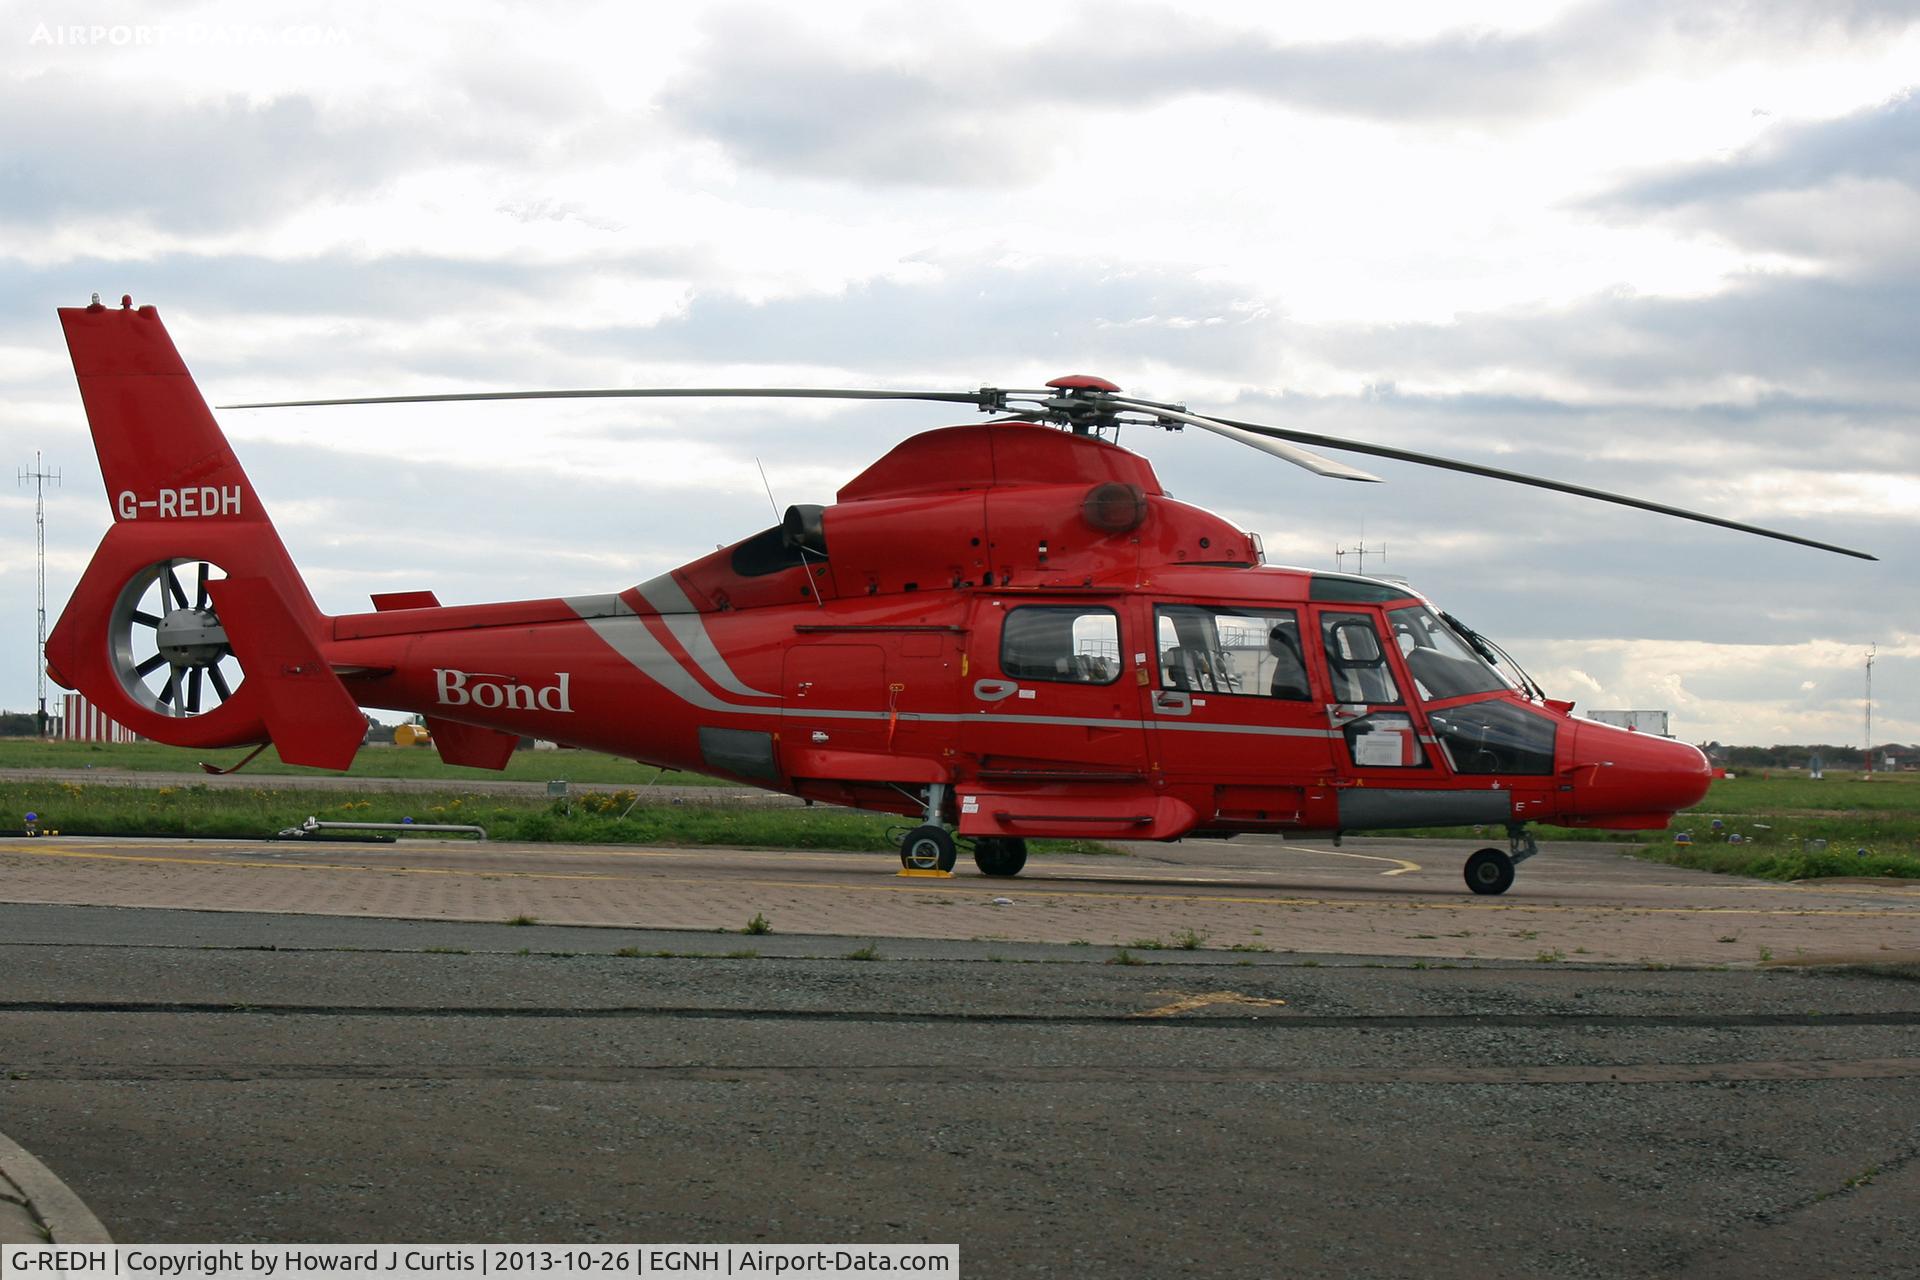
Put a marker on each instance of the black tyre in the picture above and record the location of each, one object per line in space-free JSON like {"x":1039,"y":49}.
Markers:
{"x":928,"y":848}
{"x":1000,"y":855}
{"x":1490,"y":871}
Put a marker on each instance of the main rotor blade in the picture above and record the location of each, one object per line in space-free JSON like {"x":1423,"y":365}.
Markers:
{"x":985,"y":398}
{"x":1234,"y":431}
{"x":1537,"y":482}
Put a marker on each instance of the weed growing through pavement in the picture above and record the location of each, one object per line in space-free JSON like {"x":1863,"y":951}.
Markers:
{"x":758,"y":925}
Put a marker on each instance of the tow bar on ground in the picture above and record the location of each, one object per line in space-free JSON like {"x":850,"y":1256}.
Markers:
{"x":313,"y":826}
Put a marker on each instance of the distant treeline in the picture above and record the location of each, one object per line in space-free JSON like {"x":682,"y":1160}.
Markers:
{"x":19,"y":724}
{"x":1794,"y":755}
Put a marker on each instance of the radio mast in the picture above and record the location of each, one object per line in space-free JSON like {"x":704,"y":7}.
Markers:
{"x":40,"y":475}
{"x":1871,"y":650}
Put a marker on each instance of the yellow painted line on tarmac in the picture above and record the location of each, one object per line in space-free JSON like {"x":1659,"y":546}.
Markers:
{"x":244,"y":864}
{"x":1402,"y":866}
{"x":1031,"y":890}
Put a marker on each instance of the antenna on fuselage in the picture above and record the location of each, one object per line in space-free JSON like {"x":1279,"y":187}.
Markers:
{"x":1359,"y":551}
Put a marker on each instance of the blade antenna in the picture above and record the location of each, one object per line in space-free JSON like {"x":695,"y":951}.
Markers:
{"x":769,"y":487}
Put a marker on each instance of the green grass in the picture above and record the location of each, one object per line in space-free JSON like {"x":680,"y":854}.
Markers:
{"x":1778,"y":792}
{"x":95,"y":809}
{"x":372,"y":762}
{"x":1777,"y":818}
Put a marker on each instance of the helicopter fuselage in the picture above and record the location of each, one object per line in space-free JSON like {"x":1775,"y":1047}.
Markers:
{"x":1008,"y":630}
{"x":1023,"y":616}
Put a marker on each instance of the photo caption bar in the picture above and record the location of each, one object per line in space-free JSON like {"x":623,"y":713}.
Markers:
{"x":483,"y":1262}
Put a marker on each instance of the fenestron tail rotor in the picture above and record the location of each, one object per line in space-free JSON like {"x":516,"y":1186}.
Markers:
{"x":169,"y":648}
{"x":1086,"y":404}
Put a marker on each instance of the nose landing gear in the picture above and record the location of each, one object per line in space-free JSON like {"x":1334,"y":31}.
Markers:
{"x":1490,"y":871}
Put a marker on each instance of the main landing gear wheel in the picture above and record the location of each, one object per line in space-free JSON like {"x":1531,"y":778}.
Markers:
{"x":1490,"y":871}
{"x":928,"y":848}
{"x":1000,"y":855}
{"x":170,"y":650}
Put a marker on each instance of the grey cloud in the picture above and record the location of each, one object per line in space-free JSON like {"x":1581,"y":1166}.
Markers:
{"x":1820,"y":338}
{"x":1811,"y":341}
{"x":990,"y":319}
{"x":367,"y":298}
{"x":784,"y":100}
{"x":1881,"y":142}
{"x":209,"y":165}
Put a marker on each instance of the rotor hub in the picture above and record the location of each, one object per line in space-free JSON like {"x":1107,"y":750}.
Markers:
{"x":191,"y":638}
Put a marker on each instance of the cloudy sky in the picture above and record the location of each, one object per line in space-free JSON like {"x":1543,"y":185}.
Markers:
{"x":1668,"y":248}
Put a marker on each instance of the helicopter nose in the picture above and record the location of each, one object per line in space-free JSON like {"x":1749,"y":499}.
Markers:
{"x":1625,"y":773}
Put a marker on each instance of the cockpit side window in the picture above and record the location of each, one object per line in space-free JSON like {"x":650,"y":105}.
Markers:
{"x":1355,"y":661}
{"x":1441,"y":666}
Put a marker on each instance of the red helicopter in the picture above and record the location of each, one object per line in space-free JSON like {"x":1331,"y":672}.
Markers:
{"x":1004,"y":631}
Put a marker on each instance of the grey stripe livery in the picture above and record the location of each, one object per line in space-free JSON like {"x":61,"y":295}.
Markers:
{"x":615,"y":622}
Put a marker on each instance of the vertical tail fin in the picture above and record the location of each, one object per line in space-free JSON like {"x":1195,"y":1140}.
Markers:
{"x":161,"y":454}
{"x":154,"y":652}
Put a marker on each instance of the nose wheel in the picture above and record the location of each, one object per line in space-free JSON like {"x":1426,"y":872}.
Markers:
{"x":1490,"y":871}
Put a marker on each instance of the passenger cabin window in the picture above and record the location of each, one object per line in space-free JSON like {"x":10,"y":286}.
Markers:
{"x":1355,"y":661}
{"x":1236,"y":651}
{"x":1067,"y":644}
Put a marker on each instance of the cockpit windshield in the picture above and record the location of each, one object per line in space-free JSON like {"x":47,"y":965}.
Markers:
{"x":1441,"y":665}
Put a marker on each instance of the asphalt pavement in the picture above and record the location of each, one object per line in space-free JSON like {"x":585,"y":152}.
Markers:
{"x":240,"y":1077}
{"x":1258,"y":1058}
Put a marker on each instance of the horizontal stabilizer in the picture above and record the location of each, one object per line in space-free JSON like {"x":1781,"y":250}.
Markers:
{"x":310,"y":716}
{"x":471,"y":745}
